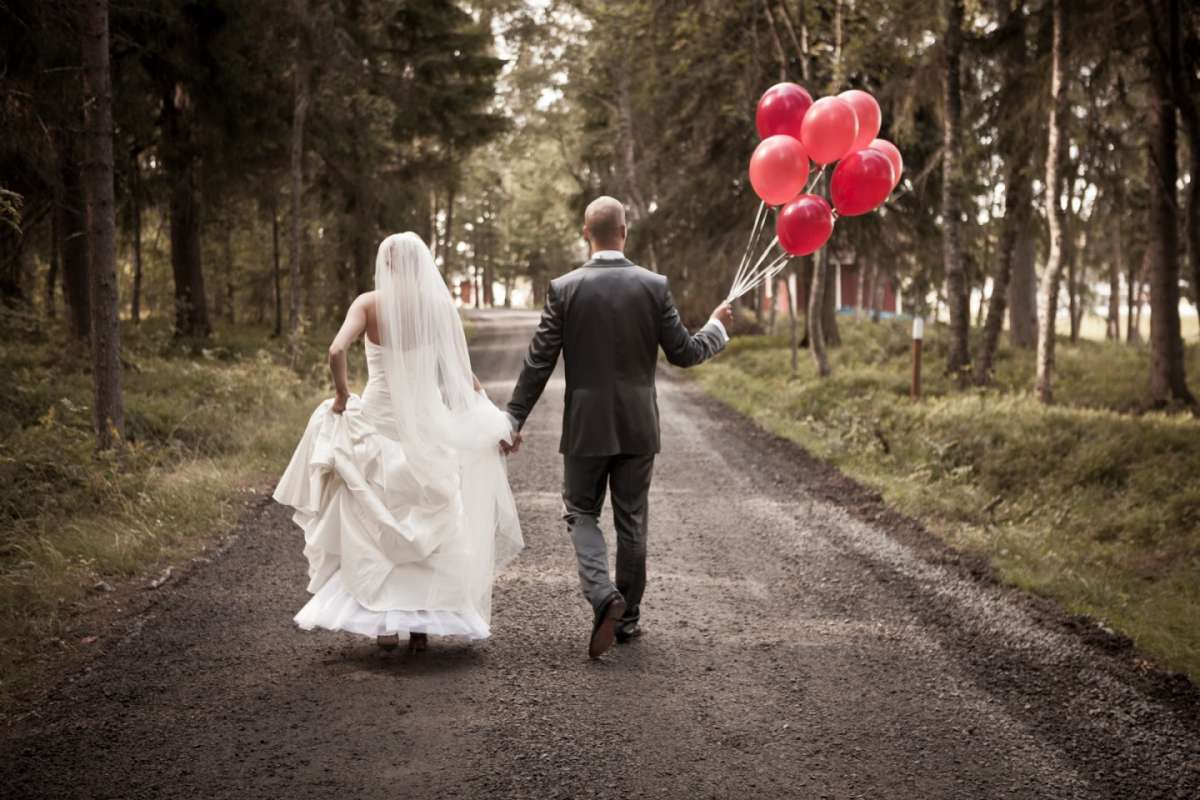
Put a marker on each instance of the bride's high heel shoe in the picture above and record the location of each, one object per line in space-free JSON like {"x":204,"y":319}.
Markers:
{"x":418,"y":642}
{"x":389,"y":642}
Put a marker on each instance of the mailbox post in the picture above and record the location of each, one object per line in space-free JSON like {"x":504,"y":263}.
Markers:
{"x":918,"y":334}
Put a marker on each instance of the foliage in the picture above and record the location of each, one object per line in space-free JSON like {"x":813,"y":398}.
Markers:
{"x":1097,"y":508}
{"x":402,"y":93}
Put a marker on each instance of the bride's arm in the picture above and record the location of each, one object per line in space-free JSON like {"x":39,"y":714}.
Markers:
{"x":352,"y":328}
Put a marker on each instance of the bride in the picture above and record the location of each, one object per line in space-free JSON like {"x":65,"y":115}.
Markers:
{"x":403,"y":493}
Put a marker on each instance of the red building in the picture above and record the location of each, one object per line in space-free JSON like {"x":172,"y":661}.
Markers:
{"x":847,"y":277}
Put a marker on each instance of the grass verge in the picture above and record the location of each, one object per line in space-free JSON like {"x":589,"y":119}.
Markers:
{"x":204,"y":422}
{"x":1082,"y":501}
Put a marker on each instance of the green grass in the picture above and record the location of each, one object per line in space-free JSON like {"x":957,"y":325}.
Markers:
{"x":1082,"y":501}
{"x":204,"y":423}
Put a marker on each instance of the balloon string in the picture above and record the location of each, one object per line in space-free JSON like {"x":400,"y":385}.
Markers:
{"x":737,"y":289}
{"x":754,"y":275}
{"x":766,"y":274}
{"x":759,"y":220}
{"x":755,"y":232}
{"x":750,"y":241}
{"x":812,"y":187}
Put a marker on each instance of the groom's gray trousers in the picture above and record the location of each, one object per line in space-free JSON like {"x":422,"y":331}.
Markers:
{"x":585,"y":479}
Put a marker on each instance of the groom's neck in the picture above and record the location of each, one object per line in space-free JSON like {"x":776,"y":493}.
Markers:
{"x":618,"y":247}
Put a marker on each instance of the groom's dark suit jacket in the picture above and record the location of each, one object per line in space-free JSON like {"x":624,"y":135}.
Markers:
{"x":608,"y":318}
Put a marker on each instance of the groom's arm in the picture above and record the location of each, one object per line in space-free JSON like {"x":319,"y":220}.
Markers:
{"x":539,"y":361}
{"x":681,"y":347}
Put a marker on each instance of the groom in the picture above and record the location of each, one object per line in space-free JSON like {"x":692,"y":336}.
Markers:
{"x":608,"y":318}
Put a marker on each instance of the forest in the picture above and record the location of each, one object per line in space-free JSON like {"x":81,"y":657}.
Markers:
{"x":191,"y":194}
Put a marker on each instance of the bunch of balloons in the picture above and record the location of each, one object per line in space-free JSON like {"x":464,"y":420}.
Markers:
{"x":794,"y":131}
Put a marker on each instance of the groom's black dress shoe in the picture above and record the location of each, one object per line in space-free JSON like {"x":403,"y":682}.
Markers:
{"x":628,"y":633}
{"x":604,"y":625}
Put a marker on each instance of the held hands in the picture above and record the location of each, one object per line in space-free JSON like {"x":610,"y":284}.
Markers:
{"x":724,"y":314}
{"x":511,"y":449}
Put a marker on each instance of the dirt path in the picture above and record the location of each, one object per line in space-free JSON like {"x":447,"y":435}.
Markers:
{"x":801,"y":642}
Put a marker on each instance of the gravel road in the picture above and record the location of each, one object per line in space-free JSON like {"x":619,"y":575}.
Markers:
{"x":802,"y":641}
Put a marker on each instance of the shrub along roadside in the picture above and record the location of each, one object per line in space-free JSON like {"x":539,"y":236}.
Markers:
{"x":1097,"y":508}
{"x":205,"y":422}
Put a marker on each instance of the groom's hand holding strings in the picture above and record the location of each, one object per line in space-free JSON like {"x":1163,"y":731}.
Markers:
{"x":724,"y":315}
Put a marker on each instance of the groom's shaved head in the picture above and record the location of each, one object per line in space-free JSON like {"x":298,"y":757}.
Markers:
{"x":604,"y":223}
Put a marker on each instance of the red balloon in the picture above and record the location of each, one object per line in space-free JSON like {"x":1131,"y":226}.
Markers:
{"x":867,"y":110}
{"x":781,"y":110}
{"x":804,"y":224}
{"x":861,"y":182}
{"x":893,"y":153}
{"x":778,"y":169}
{"x":829,"y":129}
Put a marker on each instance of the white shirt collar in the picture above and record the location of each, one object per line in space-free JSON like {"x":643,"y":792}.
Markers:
{"x":607,"y":255}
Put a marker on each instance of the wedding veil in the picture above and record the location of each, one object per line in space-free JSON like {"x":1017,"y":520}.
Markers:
{"x":450,"y":431}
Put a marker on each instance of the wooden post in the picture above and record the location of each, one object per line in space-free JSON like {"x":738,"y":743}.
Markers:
{"x":918,"y":334}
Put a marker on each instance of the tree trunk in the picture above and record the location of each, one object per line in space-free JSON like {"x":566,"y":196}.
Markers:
{"x":1022,"y":293}
{"x":1167,"y":377}
{"x":1116,"y":266}
{"x":108,"y":414}
{"x":135,"y":202}
{"x":878,"y":278}
{"x":1073,"y":309}
{"x":772,"y":305}
{"x":776,"y":43}
{"x":12,"y":265}
{"x":295,"y":239}
{"x":816,"y":336}
{"x":793,"y":313}
{"x":839,"y":70}
{"x":804,"y":281}
{"x":830,"y":334}
{"x":191,"y":305}
{"x":448,"y":240}
{"x":1081,"y":259}
{"x":276,"y":278}
{"x":958,"y":299}
{"x":52,"y":274}
{"x":1043,"y":385}
{"x":1136,"y":299}
{"x":627,"y":150}
{"x":308,"y":277}
{"x":435,"y":240}
{"x":489,"y":267}
{"x":860,"y":294}
{"x":72,"y":230}
{"x":230,"y":270}
{"x":1070,"y":245}
{"x":983,"y":295}
{"x":1186,"y":88}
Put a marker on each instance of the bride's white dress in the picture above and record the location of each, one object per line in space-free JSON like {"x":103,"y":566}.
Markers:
{"x":400,"y":537}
